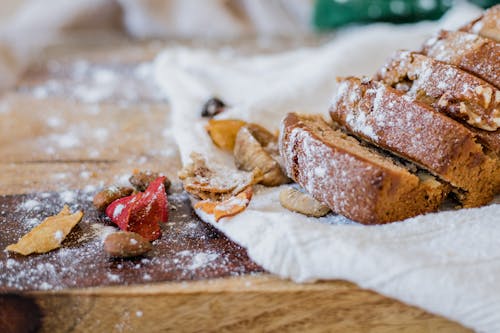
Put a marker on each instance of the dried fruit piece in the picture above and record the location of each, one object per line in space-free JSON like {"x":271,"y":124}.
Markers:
{"x":234,"y":205}
{"x":228,"y":207}
{"x":214,"y":182}
{"x":142,"y":212}
{"x":110,"y":194}
{"x":119,"y":210}
{"x":126,"y":244}
{"x":141,"y":180}
{"x":300,"y":202}
{"x":223,"y":132}
{"x":206,"y":205}
{"x":256,"y":147}
{"x":48,"y":235}
{"x":212,"y":107}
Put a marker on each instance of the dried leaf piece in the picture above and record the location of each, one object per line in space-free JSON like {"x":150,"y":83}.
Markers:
{"x":215,"y":182}
{"x":228,"y":207}
{"x":256,"y":147}
{"x":48,"y":235}
{"x":223,"y":132}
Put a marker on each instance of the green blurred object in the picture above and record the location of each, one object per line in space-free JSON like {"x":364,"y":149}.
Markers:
{"x":335,"y":13}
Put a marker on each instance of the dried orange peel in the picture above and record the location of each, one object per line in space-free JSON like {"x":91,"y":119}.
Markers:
{"x":223,"y":132}
{"x":48,"y":235}
{"x":228,"y":207}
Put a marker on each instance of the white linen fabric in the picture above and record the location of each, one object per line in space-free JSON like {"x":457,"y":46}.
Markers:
{"x":447,"y":263}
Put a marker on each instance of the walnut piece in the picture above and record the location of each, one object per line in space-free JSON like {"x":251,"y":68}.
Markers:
{"x":256,"y":148}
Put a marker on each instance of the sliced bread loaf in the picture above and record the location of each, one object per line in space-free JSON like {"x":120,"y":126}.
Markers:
{"x":472,"y":53}
{"x":352,"y":179}
{"x":413,"y":130}
{"x":446,"y":87}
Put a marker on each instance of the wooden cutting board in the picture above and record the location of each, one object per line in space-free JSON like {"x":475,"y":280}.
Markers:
{"x":81,"y":120}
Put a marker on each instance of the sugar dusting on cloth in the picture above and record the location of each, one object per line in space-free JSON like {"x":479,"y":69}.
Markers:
{"x":447,"y":263}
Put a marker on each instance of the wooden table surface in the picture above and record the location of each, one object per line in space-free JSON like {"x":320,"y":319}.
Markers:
{"x":58,"y":132}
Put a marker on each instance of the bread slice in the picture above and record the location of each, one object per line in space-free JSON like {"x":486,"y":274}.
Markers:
{"x":447,"y":88}
{"x":490,"y":140}
{"x":488,"y":25}
{"x":413,"y":130}
{"x":472,"y":53}
{"x":353,"y":180}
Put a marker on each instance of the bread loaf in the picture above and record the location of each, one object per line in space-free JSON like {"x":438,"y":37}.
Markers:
{"x":352,"y":179}
{"x":413,"y":130}
{"x":445,"y":87}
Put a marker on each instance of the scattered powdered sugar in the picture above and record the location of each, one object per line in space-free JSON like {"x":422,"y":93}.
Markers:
{"x":85,"y":174}
{"x":118,"y":210}
{"x":360,"y":124}
{"x":185,"y":250}
{"x":320,"y":171}
{"x":67,"y":196}
{"x":31,"y":222}
{"x":54,"y":121}
{"x":202,"y":259}
{"x":93,"y":83}
{"x":113,"y":277}
{"x":100,"y":134}
{"x":101,"y":231}
{"x":66,"y":140}
{"x":58,"y":235}
{"x":10,"y":263}
{"x":30,"y":204}
{"x":122,"y":180}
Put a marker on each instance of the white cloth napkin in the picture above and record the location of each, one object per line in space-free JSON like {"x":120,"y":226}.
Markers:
{"x":447,"y":263}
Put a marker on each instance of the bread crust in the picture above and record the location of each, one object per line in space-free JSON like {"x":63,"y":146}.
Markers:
{"x":413,"y":130}
{"x":472,"y":53}
{"x":351,"y":179}
{"x":447,"y":88}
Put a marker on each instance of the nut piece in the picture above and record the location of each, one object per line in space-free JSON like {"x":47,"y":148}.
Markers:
{"x":110,"y":194}
{"x":300,"y":202}
{"x":223,"y":132}
{"x":256,"y":148}
{"x":141,"y":180}
{"x":212,"y":107}
{"x":125,"y":244}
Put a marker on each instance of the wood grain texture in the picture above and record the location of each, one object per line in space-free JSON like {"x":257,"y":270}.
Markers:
{"x":135,"y":139}
{"x":253,"y":303}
